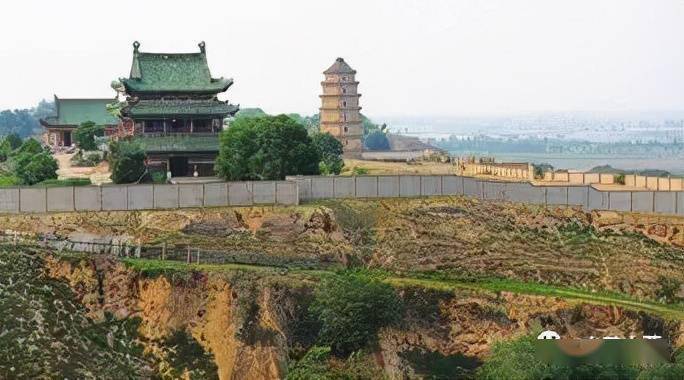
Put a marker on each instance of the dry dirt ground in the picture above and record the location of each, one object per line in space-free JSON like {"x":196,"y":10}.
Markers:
{"x":454,"y":237}
{"x":98,"y":174}
{"x":382,"y":167}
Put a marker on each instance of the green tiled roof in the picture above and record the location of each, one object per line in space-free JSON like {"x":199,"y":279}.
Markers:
{"x":166,"y":72}
{"x":77,"y":111}
{"x":182,"y":143}
{"x":179,"y":107}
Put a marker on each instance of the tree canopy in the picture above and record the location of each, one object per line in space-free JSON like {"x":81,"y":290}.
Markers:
{"x":127,"y":160}
{"x":352,"y":309}
{"x":32,"y":164}
{"x":330,"y":149}
{"x":85,"y":135}
{"x":377,"y":140}
{"x":268,"y":147}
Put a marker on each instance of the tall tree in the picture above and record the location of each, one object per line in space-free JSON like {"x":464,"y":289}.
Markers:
{"x":268,"y":147}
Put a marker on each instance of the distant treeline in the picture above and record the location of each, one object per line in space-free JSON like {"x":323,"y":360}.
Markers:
{"x":536,"y":145}
{"x":25,"y":122}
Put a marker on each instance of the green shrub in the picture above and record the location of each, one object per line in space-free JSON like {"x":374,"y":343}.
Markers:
{"x":669,"y":288}
{"x":32,"y":164}
{"x":359,"y":170}
{"x":268,"y":147}
{"x":318,"y":364}
{"x":127,"y":160}
{"x":9,"y":181}
{"x":158,"y":177}
{"x":351,"y":309}
{"x":330,"y":151}
{"x":85,"y":159}
{"x":619,"y":179}
{"x":85,"y":135}
{"x":377,"y":140}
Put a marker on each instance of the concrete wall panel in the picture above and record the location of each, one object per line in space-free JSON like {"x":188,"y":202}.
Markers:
{"x":9,"y":200}
{"x":472,"y":187}
{"x":642,"y":201}
{"x":431,"y":185}
{"x":388,"y":186}
{"x":190,"y":195}
{"x":452,"y":185}
{"x":409,"y":186}
{"x":577,"y":196}
{"x":620,"y":200}
{"x":557,"y":195}
{"x":87,"y":198}
{"x":215,"y":194}
{"x":665,"y":202}
{"x":680,"y":203}
{"x":322,"y":187}
{"x":525,"y":192}
{"x":287,"y":193}
{"x":598,"y":200}
{"x":264,"y":192}
{"x":367,"y":187}
{"x":240,"y":193}
{"x":166,"y":196}
{"x":33,"y":200}
{"x":60,"y":198}
{"x":344,"y":187}
{"x":140,"y":197}
{"x":494,"y":190}
{"x":114,"y":198}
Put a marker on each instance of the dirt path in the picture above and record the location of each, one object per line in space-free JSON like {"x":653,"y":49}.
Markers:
{"x":97,"y":174}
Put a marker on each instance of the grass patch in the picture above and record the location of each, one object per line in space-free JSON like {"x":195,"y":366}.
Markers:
{"x":501,"y":285}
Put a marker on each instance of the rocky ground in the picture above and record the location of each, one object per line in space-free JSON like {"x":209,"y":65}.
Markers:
{"x":470,"y":273}
{"x":457,"y":237}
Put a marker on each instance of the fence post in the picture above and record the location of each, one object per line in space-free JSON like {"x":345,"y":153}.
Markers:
{"x":188,"y":256}
{"x":198,"y":255}
{"x":163,"y":253}
{"x":16,"y":238}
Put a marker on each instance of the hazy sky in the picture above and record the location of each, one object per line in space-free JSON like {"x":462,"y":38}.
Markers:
{"x":422,"y":57}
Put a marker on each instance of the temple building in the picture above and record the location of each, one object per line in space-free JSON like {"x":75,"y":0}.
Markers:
{"x":340,"y":111}
{"x":172,"y":107}
{"x":70,"y":113}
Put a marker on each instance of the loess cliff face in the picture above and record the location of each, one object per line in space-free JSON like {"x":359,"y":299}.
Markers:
{"x":247,"y":325}
{"x":244,"y":328}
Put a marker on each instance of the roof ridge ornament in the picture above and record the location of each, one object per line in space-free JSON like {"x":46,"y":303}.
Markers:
{"x":203,"y":47}
{"x":136,"y":45}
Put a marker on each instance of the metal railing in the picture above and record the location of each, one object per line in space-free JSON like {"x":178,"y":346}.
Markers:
{"x":179,"y":253}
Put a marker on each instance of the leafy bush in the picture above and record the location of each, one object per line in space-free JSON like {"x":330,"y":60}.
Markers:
{"x":85,"y":159}
{"x":377,"y":140}
{"x":351,"y":309}
{"x":127,"y":160}
{"x":318,"y":364}
{"x":158,"y":177}
{"x":9,"y":181}
{"x":13,"y":140}
{"x":669,"y":287}
{"x":268,"y":147}
{"x":32,"y":164}
{"x":359,"y":170}
{"x":330,"y":151}
{"x":619,"y":179}
{"x":85,"y":135}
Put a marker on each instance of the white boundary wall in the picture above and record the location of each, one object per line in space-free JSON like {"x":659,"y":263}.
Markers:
{"x":294,"y":189}
{"x":585,"y":196}
{"x":146,"y":196}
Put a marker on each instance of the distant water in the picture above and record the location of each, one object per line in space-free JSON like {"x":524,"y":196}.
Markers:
{"x":674,"y":165}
